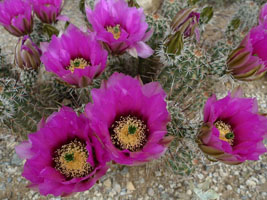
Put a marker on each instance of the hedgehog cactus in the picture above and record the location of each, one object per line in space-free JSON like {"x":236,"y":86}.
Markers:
{"x":170,"y":8}
{"x":28,"y":77}
{"x":246,"y":14}
{"x":6,"y":109}
{"x":141,"y":77}
{"x":11,"y":96}
{"x":218,"y":55}
{"x":160,"y":25}
{"x":27,"y":54}
{"x":183,"y":73}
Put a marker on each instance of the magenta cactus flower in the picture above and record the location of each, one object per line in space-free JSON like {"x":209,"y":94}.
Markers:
{"x":263,"y":14}
{"x":130,"y":119}
{"x":249,"y":60}
{"x":233,"y":130}
{"x":16,"y":17}
{"x":76,"y":57}
{"x":48,"y":11}
{"x":27,"y":54}
{"x":120,"y":27}
{"x":186,"y":21}
{"x":63,"y":156}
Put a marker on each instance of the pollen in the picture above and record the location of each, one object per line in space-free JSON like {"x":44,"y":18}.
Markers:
{"x":77,"y":63}
{"x":129,"y":133}
{"x":71,"y":159}
{"x":115,"y":30}
{"x":226,"y":133}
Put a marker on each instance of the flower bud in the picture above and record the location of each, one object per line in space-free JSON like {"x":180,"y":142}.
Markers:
{"x":249,"y":61}
{"x":186,"y":21}
{"x":174,"y":44}
{"x":27,"y":54}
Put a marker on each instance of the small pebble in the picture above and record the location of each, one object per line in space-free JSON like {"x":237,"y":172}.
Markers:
{"x":107,"y":183}
{"x":229,"y":187}
{"x":251,"y":183}
{"x":200,"y":176}
{"x":150,"y":192}
{"x":9,"y":179}
{"x":130,"y":186}
{"x":15,"y":160}
{"x":2,"y":186}
{"x":124,"y":171}
{"x":189,"y":192}
{"x":141,"y":180}
{"x":117,"y":187}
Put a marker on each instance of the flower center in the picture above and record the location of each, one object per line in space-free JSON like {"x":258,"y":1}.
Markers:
{"x":71,"y":159}
{"x":129,"y":133}
{"x":77,"y":63}
{"x":226,"y":133}
{"x":115,"y":30}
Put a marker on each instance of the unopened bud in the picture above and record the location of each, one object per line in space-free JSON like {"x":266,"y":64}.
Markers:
{"x":27,"y":54}
{"x":174,"y":44}
{"x":186,"y":22}
{"x":248,"y":61}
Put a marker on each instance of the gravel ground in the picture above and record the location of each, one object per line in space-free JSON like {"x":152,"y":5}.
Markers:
{"x":153,"y":180}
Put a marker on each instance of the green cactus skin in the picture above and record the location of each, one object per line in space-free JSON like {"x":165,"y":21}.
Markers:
{"x":161,"y":27}
{"x":12,"y":95}
{"x":6,"y":69}
{"x":183,"y":73}
{"x":181,"y":156}
{"x":218,"y":57}
{"x":28,"y":77}
{"x":7,"y":109}
{"x":247,"y":14}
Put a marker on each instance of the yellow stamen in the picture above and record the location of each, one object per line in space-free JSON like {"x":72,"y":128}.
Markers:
{"x":115,"y":30}
{"x":129,"y":133}
{"x":77,"y":63}
{"x":71,"y":160}
{"x":226,"y":133}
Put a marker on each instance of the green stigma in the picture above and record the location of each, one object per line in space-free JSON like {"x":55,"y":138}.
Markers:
{"x":77,"y":63}
{"x":69,"y":157}
{"x":132,"y":129}
{"x":229,"y":135}
{"x":116,"y":29}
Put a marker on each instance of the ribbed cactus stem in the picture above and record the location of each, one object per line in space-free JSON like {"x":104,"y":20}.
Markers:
{"x":161,"y":27}
{"x":170,"y":8}
{"x":218,"y":57}
{"x":28,"y":77}
{"x":247,"y":14}
{"x":184,"y":84}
